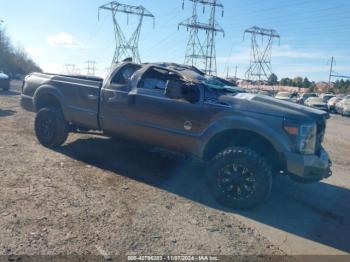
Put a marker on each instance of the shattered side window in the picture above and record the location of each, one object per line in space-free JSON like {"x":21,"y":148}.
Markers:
{"x":154,"y":83}
{"x":125,"y":75}
{"x":156,"y":79}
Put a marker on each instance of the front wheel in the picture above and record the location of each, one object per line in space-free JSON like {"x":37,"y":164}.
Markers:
{"x":239,"y":178}
{"x":50,"y":127}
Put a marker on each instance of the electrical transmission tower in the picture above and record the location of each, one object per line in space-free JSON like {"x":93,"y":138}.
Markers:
{"x":202,"y":53}
{"x":126,"y":48}
{"x":261,"y":50}
{"x":72,"y":69}
{"x":91,"y":68}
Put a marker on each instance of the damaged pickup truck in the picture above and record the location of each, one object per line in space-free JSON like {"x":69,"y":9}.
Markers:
{"x":244,"y":139}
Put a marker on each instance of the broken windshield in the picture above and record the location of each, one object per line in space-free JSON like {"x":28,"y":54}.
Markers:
{"x":220,"y":84}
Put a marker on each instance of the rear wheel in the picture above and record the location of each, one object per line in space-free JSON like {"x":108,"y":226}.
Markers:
{"x":239,"y":178}
{"x":50,"y":127}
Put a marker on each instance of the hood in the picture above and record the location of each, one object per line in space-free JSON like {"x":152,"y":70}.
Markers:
{"x":261,"y":104}
{"x":3,"y":76}
{"x":283,"y":98}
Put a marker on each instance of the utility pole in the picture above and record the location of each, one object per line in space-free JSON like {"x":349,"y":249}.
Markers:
{"x":260,"y":61}
{"x":126,"y":48}
{"x":330,"y":73}
{"x":202,"y":52}
{"x":91,"y":68}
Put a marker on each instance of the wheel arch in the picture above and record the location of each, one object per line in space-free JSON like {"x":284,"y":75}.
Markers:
{"x":48,"y":96}
{"x":246,"y":138}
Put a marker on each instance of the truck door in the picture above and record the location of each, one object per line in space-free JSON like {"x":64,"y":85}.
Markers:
{"x":114,"y":101}
{"x":158,"y":120}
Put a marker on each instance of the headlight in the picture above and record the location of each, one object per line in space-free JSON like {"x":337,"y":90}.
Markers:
{"x":305,"y":137}
{"x":306,"y":141}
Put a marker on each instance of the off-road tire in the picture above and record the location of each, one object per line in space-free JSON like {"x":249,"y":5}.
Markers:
{"x":251,"y":162}
{"x":51,"y":128}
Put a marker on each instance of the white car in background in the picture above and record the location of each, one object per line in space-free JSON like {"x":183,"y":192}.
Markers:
{"x":343,"y":107}
{"x":317,"y":103}
{"x":285,"y":96}
{"x":332,"y":103}
{"x":4,"y":81}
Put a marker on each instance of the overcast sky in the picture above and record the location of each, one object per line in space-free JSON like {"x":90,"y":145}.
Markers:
{"x":57,"y":32}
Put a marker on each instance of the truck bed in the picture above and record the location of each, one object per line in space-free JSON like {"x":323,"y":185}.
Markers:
{"x":81,"y":77}
{"x":77,"y":95}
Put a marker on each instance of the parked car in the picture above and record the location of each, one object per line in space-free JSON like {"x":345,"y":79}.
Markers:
{"x":346,"y":107}
{"x":302,"y":98}
{"x":294,"y":97}
{"x":265,"y":93}
{"x":316,"y":102}
{"x":4,"y":82}
{"x":285,"y":96}
{"x":332,"y":103}
{"x":327,"y":97}
{"x":343,"y":107}
{"x":242,"y":139}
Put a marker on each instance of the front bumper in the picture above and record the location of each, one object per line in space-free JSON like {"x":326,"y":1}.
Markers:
{"x":310,"y":167}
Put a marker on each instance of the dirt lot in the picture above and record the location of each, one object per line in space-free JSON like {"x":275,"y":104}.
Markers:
{"x":104,"y":196}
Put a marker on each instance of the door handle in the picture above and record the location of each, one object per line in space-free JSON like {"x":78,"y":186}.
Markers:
{"x":92,"y":97}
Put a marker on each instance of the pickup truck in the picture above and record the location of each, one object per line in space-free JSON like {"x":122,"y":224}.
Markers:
{"x":244,"y":139}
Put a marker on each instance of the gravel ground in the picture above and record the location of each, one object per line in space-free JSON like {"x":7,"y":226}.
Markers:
{"x":101,"y":196}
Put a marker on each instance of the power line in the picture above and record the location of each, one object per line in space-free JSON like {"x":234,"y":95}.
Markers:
{"x":202,"y":53}
{"x":260,"y":62}
{"x":334,"y":74}
{"x":273,"y":8}
{"x":126,"y":48}
{"x":91,"y":68}
{"x":72,"y":69}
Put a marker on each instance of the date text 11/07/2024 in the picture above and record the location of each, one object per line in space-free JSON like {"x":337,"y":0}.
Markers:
{"x":172,"y":258}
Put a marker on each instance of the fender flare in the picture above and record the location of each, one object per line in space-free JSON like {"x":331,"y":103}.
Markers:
{"x":49,"y":90}
{"x":277,"y":139}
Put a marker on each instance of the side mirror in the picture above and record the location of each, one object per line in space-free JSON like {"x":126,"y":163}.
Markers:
{"x":177,"y":89}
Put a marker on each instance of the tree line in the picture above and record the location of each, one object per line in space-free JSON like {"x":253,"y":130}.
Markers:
{"x":340,"y":86}
{"x":14,"y":61}
{"x":295,"y":82}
